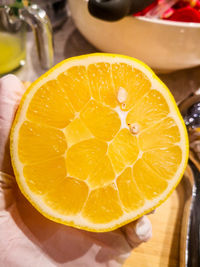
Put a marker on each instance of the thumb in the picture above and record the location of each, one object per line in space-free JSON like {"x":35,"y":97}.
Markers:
{"x":138,"y":231}
{"x":11,"y":91}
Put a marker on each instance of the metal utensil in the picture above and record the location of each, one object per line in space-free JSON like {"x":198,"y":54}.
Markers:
{"x":190,"y":234}
{"x":14,"y":13}
{"x":112,"y":10}
{"x":56,"y":11}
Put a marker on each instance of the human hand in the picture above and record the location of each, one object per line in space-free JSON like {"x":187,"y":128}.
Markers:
{"x":27,"y":238}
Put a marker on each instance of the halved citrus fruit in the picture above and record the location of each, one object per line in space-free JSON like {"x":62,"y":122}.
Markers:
{"x":97,"y":142}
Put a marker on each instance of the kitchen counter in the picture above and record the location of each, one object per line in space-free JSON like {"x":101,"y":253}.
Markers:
{"x":69,"y":42}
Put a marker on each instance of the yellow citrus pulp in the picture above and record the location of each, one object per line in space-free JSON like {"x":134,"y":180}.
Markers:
{"x":97,"y":142}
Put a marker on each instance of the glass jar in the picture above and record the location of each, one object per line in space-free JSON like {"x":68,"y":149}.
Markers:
{"x":12,"y":49}
{"x":14,"y":18}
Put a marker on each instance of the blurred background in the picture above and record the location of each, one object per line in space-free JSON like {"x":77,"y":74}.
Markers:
{"x":127,"y":36}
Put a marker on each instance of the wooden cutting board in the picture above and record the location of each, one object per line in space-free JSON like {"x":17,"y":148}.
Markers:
{"x":164,"y":248}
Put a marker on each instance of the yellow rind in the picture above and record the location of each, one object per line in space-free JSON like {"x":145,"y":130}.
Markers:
{"x":17,"y":118}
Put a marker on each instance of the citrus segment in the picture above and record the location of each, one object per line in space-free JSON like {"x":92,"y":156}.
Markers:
{"x":132,"y":80}
{"x":43,"y":107}
{"x":82,"y":157}
{"x":148,"y":181}
{"x":102,"y":174}
{"x":164,"y":161}
{"x":102,"y":121}
{"x":123,"y":150}
{"x":149,"y":110}
{"x":38,"y":143}
{"x":67,"y":197}
{"x":133,"y":198}
{"x":103,"y":205}
{"x":93,"y":81}
{"x":101,"y":83}
{"x":75,"y":82}
{"x":97,"y":142}
{"x":162,"y":134}
{"x":42,"y":177}
{"x":76,"y":132}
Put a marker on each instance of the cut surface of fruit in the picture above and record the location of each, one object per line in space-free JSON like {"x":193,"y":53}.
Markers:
{"x":97,"y":142}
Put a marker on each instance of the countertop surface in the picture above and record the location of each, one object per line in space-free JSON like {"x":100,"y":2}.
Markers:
{"x":69,"y":42}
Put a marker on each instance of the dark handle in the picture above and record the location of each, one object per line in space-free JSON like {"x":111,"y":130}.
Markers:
{"x":193,"y":242}
{"x":112,"y":10}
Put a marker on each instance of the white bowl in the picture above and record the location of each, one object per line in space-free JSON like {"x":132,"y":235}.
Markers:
{"x":164,"y":45}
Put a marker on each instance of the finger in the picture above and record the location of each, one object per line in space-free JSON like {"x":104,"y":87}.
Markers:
{"x":138,"y":231}
{"x":11,"y":91}
{"x":6,"y":192}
